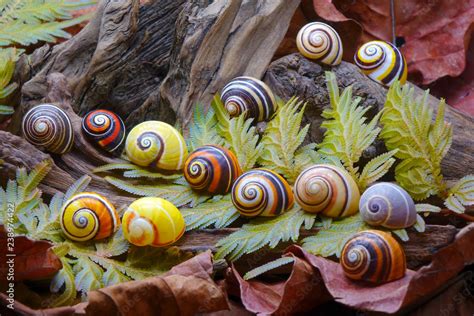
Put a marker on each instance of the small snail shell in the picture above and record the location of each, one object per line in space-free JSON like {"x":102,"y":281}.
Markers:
{"x":212,"y":169}
{"x":319,"y":41}
{"x":261,"y":192}
{"x":152,"y":221}
{"x":373,"y":256}
{"x":382,"y":62}
{"x":104,"y":128}
{"x":251,"y":95}
{"x":156,"y":144}
{"x":327,"y":189}
{"x":386,"y":204}
{"x":87,"y":216}
{"x":49,"y":127}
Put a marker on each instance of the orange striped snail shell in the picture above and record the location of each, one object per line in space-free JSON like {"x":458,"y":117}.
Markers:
{"x":261,"y":192}
{"x":373,"y":256}
{"x":105,"y":128}
{"x":212,"y":169}
{"x":87,"y":216}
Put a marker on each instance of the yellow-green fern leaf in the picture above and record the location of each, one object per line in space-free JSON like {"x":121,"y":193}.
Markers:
{"x":203,"y":129}
{"x":376,"y":168}
{"x":461,"y":194}
{"x":219,"y":214}
{"x":267,"y":267}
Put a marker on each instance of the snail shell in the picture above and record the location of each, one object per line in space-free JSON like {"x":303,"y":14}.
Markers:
{"x":261,"y":192}
{"x":212,"y":169}
{"x":251,"y":95}
{"x":388,"y":205}
{"x":104,"y":128}
{"x":382,"y":62}
{"x":373,"y":256}
{"x":319,"y":41}
{"x":87,"y":216}
{"x":327,"y":189}
{"x":152,"y":221}
{"x":48,"y":127}
{"x":156,"y":144}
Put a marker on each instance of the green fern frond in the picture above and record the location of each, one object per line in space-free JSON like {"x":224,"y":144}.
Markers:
{"x":113,"y":276}
{"x":88,"y":275}
{"x":134,"y":171}
{"x":376,"y":168}
{"x":202,"y":130}
{"x":219,"y":214}
{"x":267,"y":267}
{"x":420,"y":224}
{"x":401,"y":233}
{"x":8,"y":57}
{"x":64,"y":279}
{"x":6,"y":110}
{"x":427,"y":208}
{"x":112,"y":246}
{"x":461,"y":194}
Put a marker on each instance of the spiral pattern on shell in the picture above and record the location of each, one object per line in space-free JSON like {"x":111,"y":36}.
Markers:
{"x":105,"y":128}
{"x":382,"y":62}
{"x":48,"y":127}
{"x":87,"y":216}
{"x":327,"y":189}
{"x":212,"y":169}
{"x":319,"y":41}
{"x":152,"y":221}
{"x":373,"y":256}
{"x":157,"y":145}
{"x":388,"y":205}
{"x":251,"y":95}
{"x":261,"y":192}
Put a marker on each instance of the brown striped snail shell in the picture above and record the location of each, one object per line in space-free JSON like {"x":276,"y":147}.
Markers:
{"x":104,"y":128}
{"x":373,"y":256}
{"x":319,"y":41}
{"x":212,"y":169}
{"x":249,"y":95}
{"x":49,"y":127}
{"x":328,"y":190}
{"x":388,"y":205}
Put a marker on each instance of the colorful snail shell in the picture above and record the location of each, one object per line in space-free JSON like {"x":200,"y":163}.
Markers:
{"x":327,"y":189}
{"x":212,"y":169}
{"x":388,"y":205}
{"x":251,"y":95}
{"x":261,"y":192}
{"x":382,"y":62}
{"x":319,"y":41}
{"x":157,"y":145}
{"x":373,"y":256}
{"x":87,"y":216}
{"x":104,"y":128}
{"x":47,"y":126}
{"x":152,"y":221}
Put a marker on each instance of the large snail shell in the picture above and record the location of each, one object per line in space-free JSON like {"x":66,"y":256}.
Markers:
{"x":319,"y":41}
{"x":373,"y":256}
{"x":251,"y":95}
{"x":382,"y":62}
{"x":156,"y":144}
{"x":104,"y":128}
{"x":48,"y":127}
{"x":212,"y":169}
{"x":261,"y":192}
{"x":386,"y":204}
{"x":327,"y":189}
{"x":87,"y":216}
{"x":152,"y":221}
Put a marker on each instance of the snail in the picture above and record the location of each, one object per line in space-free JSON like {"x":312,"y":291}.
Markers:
{"x":327,"y":189}
{"x":104,"y":128}
{"x":157,"y":145}
{"x":152,"y":221}
{"x":261,"y":192}
{"x":373,"y":256}
{"x":251,"y":95}
{"x":388,"y":205}
{"x":87,"y":216}
{"x":47,"y":126}
{"x":319,"y":41}
{"x":382,"y":62}
{"x":212,"y":169}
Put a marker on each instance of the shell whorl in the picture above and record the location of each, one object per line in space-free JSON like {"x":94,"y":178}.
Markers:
{"x":49,"y":127}
{"x":104,"y":128}
{"x":389,"y":205}
{"x":87,"y":216}
{"x":319,"y":41}
{"x":212,"y":169}
{"x":327,"y":189}
{"x":373,"y":256}
{"x":251,"y":95}
{"x":261,"y":192}
{"x":382,"y":62}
